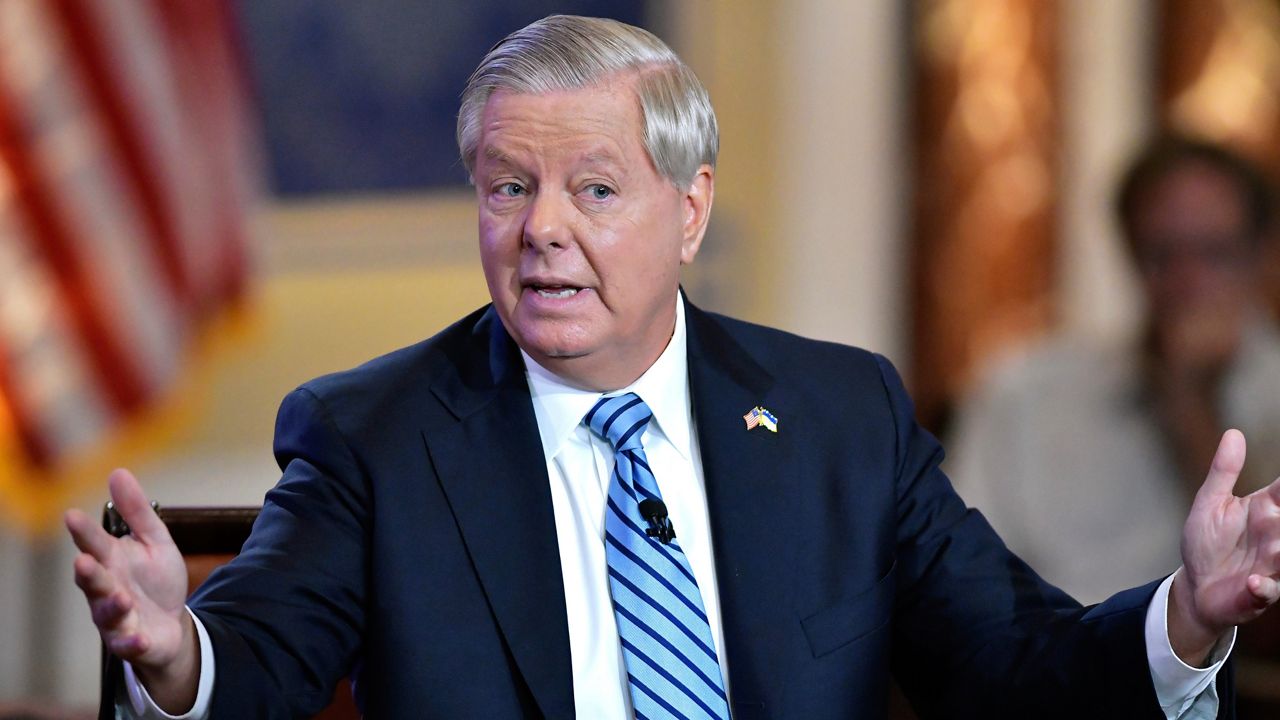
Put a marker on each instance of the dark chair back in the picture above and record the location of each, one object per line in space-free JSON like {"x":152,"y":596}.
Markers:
{"x":1257,"y":654}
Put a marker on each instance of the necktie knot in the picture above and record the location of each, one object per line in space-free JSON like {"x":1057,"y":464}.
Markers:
{"x":620,"y":419}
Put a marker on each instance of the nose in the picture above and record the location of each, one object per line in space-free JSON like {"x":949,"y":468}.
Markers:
{"x":547,"y":224}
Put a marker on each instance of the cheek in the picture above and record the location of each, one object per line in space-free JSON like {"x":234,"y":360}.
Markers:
{"x":499,"y":246}
{"x":635,"y":255}
{"x":500,"y":268}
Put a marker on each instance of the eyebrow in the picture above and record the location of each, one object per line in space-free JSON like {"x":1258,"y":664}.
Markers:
{"x":494,"y":153}
{"x":595,"y":156}
{"x":601,"y":156}
{"x":606,"y":161}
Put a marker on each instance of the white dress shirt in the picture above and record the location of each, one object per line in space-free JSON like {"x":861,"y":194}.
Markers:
{"x":580,"y":465}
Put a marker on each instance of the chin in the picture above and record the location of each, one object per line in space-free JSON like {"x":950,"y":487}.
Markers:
{"x":561,"y":352}
{"x":555,"y":340}
{"x":557,"y":351}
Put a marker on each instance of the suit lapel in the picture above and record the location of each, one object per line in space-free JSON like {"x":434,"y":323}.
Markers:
{"x":492,"y":470}
{"x":745,"y":472}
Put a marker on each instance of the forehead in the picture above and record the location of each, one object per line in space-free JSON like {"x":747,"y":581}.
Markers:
{"x":597,"y":122}
{"x":1193,"y":197}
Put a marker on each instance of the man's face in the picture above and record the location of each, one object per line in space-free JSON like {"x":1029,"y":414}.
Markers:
{"x":1199,"y":270}
{"x":1194,"y":253}
{"x":580,"y":237}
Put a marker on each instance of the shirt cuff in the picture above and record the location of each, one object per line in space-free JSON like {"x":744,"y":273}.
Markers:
{"x":144,"y":708}
{"x":1177,"y":684}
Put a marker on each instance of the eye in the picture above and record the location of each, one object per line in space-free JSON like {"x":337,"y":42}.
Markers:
{"x":600,"y":192}
{"x":510,"y":189}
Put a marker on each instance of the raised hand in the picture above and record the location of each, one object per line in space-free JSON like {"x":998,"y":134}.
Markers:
{"x":1230,"y":556}
{"x":136,"y":587}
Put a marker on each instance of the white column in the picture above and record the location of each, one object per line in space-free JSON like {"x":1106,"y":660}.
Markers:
{"x":839,"y":242}
{"x":1107,"y":82}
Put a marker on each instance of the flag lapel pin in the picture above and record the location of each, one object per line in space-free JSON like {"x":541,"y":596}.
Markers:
{"x":760,"y":417}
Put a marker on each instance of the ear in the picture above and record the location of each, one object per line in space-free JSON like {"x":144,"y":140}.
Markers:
{"x":697,"y":210}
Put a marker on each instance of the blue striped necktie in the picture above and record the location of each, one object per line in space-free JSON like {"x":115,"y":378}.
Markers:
{"x":671,"y":662}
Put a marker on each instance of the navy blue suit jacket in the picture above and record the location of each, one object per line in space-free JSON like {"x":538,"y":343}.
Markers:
{"x":411,"y":544}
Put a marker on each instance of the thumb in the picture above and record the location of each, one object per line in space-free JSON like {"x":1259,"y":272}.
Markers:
{"x":1225,"y":469}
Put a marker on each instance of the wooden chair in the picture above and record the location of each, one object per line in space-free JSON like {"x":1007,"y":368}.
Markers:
{"x":207,"y":537}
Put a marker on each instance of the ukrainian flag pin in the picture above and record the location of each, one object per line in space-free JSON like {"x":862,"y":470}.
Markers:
{"x":760,"y":417}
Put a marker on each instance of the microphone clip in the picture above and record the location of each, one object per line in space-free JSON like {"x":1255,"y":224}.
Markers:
{"x":655,"y":513}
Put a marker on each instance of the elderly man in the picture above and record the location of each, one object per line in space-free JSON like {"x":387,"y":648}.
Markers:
{"x":593,"y":498}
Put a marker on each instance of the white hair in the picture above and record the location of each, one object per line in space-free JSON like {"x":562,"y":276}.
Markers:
{"x":566,"y":52}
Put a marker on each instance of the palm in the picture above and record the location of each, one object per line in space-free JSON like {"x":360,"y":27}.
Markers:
{"x":135,"y":585}
{"x":1230,"y":544}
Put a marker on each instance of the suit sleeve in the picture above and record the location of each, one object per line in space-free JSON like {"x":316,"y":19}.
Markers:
{"x":977,"y":632}
{"x":285,"y":617}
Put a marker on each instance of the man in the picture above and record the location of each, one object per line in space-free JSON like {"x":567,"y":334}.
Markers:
{"x":479,"y":525}
{"x":1076,"y":449}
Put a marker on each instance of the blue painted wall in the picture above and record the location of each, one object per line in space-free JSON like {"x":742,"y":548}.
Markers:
{"x":362,"y":96}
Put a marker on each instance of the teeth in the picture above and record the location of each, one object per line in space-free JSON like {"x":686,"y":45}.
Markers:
{"x":562,"y":293}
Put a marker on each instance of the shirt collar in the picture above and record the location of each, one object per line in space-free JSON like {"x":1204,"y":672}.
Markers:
{"x":559,"y":407}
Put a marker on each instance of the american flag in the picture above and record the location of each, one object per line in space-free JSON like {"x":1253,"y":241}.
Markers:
{"x":127,"y":170}
{"x":758,"y":416}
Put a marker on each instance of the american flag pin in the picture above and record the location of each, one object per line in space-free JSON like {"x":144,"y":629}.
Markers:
{"x":760,"y":417}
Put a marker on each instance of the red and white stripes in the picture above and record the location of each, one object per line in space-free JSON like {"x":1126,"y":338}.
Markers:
{"x":126,"y":173}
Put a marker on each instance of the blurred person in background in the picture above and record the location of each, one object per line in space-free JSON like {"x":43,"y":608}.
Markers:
{"x":1085,"y":456}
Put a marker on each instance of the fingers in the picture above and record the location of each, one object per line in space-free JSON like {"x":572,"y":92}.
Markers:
{"x":1273,"y":490}
{"x":1226,"y":466}
{"x":110,"y":611}
{"x":133,"y":506}
{"x":91,"y":577}
{"x":109,"y":606}
{"x":88,"y":535}
{"x":119,"y":629}
{"x":128,"y":647}
{"x":1265,"y":590}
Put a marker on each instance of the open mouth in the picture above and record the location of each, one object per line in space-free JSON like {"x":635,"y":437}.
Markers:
{"x":556,"y":291}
